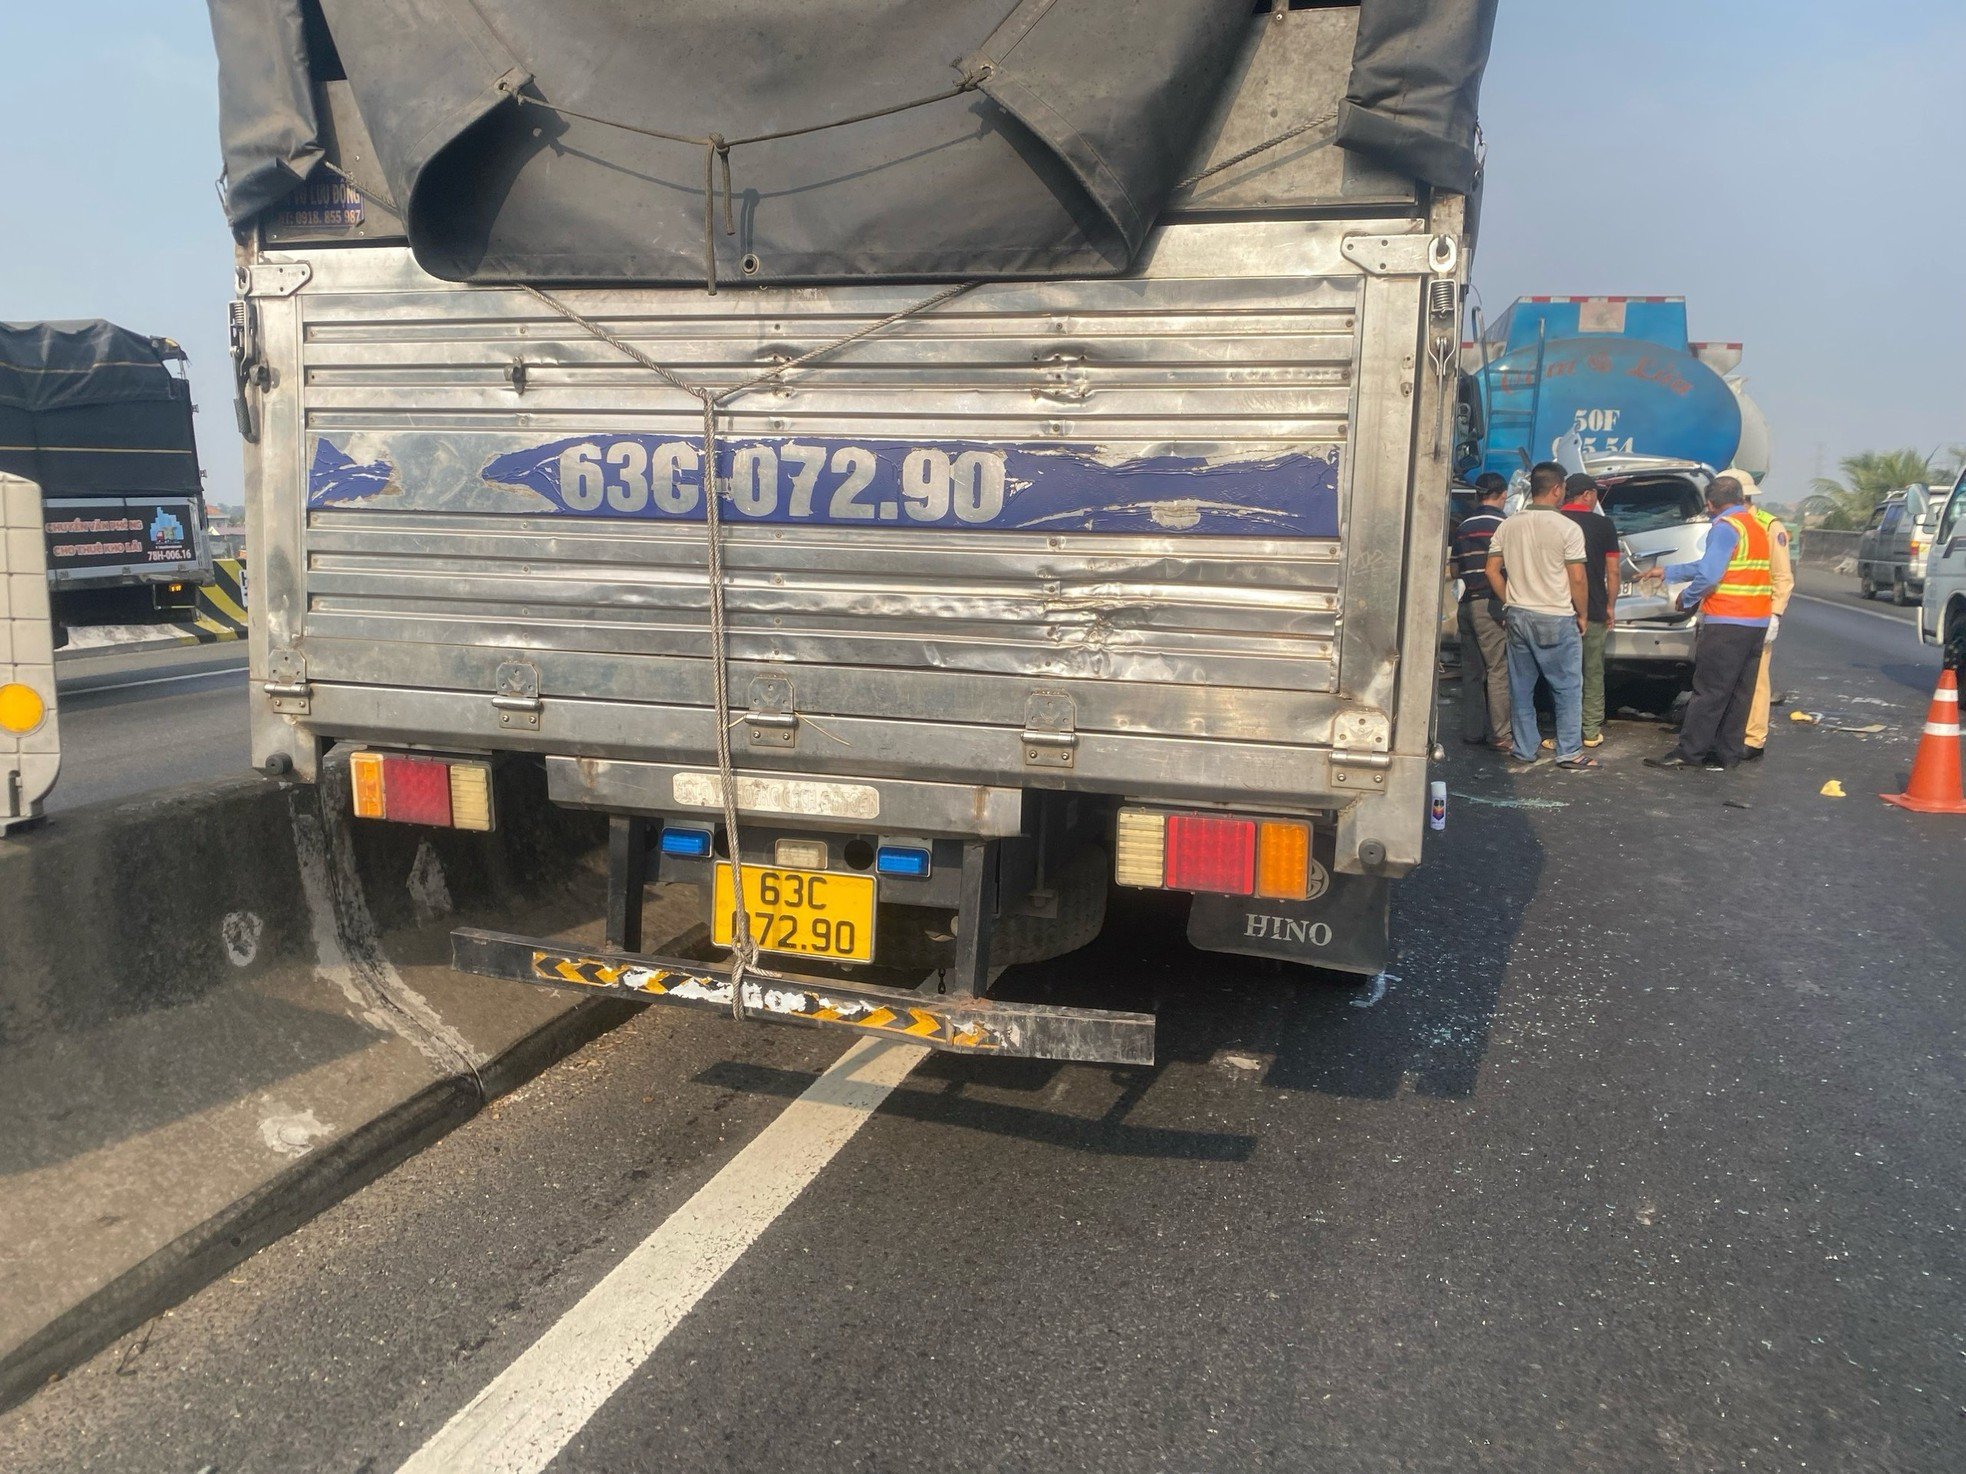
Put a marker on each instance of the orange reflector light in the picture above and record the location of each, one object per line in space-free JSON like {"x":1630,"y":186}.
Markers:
{"x":1283,"y":859}
{"x":365,"y":768}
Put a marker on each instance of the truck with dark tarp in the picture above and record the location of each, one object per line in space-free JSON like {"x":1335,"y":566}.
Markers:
{"x":913,"y":467}
{"x":99,"y":418}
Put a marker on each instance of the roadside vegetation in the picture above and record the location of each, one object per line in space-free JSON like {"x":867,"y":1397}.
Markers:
{"x":1846,"y":501}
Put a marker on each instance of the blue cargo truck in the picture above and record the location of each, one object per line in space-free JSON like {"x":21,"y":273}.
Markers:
{"x":1622,"y":374}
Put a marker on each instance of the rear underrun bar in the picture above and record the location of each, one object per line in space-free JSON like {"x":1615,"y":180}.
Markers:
{"x":961,"y":1025}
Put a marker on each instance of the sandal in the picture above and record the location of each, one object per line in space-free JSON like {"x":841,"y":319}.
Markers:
{"x":1579,"y":764}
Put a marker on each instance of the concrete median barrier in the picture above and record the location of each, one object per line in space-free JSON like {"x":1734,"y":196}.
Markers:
{"x":223,"y":1010}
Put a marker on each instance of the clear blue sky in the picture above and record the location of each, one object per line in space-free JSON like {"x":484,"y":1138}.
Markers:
{"x":1711,"y":148}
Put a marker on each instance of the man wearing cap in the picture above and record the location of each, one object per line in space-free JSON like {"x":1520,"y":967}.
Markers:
{"x":1732,"y":584}
{"x":1782,"y":578}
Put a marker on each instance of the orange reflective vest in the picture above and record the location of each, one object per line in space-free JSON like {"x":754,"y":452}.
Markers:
{"x":1747,"y":589}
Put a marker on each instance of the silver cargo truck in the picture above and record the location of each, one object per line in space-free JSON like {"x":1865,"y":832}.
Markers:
{"x":1022,"y":584}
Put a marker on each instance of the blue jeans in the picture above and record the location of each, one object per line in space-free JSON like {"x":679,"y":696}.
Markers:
{"x":1551,"y":646}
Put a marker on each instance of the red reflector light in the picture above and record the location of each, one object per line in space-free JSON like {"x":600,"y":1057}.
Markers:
{"x":1208,"y":853}
{"x":417,"y":790}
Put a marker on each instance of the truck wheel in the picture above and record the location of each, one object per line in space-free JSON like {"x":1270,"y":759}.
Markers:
{"x":1865,"y":587}
{"x":1900,"y":595}
{"x":1955,"y":642}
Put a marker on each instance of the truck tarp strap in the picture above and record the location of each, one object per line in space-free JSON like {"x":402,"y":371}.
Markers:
{"x":1040,"y":138}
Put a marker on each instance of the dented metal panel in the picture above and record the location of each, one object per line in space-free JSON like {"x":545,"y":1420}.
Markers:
{"x":1174,"y":535}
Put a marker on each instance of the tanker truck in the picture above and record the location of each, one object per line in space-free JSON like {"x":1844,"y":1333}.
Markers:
{"x":1619,"y":373}
{"x":908,"y":499}
{"x":1614,"y":386}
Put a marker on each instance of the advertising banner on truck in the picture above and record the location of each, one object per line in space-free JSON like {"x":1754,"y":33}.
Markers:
{"x":145,"y":536}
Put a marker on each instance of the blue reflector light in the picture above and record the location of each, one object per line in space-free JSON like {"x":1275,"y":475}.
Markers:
{"x":895,"y":860}
{"x":692,"y":844}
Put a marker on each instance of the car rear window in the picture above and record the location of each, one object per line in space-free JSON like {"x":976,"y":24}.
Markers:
{"x":1649,"y":503}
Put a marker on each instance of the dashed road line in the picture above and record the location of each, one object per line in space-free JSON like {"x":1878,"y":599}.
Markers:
{"x":531,"y":1410}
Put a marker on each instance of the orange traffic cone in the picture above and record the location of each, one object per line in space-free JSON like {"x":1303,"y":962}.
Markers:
{"x":1935,"y":783}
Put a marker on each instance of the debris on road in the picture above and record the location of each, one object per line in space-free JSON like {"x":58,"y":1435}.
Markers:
{"x":1834,"y":789}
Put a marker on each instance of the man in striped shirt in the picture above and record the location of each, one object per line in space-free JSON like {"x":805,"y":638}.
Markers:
{"x":1484,"y":638}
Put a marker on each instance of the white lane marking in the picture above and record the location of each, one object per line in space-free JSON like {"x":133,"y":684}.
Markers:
{"x":1903,"y":621}
{"x":519,"y":1423}
{"x":196,"y":675}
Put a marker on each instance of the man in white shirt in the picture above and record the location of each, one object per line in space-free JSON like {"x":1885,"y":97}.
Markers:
{"x":1536,"y":564}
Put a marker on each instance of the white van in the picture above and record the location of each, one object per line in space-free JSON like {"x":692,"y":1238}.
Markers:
{"x":1942,"y":613}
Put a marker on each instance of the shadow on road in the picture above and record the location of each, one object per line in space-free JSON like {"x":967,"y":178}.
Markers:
{"x":1424,"y":1028}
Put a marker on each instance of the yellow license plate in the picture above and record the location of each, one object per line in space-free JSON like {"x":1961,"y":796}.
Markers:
{"x":805,"y":913}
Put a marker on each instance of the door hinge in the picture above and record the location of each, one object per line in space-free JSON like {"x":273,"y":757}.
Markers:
{"x":771,"y":721}
{"x":1050,"y":734}
{"x":1360,"y":740}
{"x":516,"y":699}
{"x":286,"y":683}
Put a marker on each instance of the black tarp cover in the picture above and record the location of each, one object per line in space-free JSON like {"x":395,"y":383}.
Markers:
{"x":1084,"y":114}
{"x":88,"y":409}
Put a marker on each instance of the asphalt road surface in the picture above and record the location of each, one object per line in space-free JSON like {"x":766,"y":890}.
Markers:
{"x":134,"y":723}
{"x":1646,"y":1158}
{"x":1841,"y":589}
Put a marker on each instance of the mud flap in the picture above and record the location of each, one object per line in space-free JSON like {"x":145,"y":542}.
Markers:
{"x":1345,"y":928}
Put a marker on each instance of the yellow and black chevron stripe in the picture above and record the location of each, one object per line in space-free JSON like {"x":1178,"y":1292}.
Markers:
{"x":220,"y":613}
{"x":922,"y":1025}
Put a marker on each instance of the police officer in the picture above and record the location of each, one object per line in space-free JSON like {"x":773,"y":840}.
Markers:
{"x":1733,"y":585}
{"x":1782,"y":578}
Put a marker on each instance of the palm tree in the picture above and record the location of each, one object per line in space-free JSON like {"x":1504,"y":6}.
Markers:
{"x":1868,"y":478}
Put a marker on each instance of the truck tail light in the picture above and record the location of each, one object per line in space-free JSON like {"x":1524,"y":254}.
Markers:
{"x":1140,"y":849}
{"x":471,"y":802}
{"x":1221,"y":854}
{"x":1210,"y":852}
{"x":447,"y":793}
{"x":416,"y":790}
